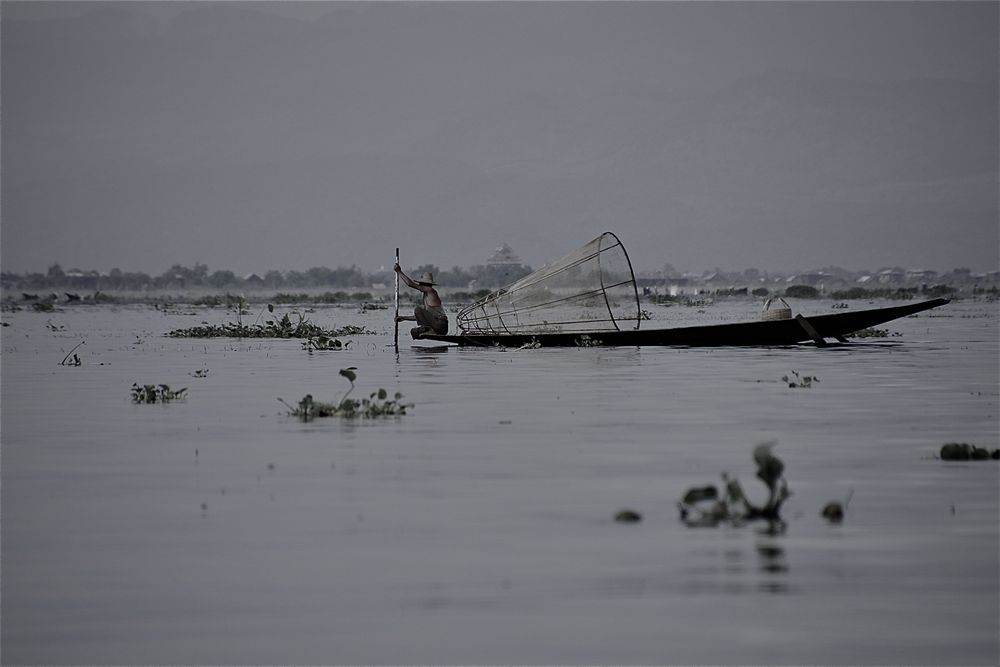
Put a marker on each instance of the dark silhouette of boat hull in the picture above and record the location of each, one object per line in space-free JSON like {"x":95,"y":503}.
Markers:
{"x":815,"y":329}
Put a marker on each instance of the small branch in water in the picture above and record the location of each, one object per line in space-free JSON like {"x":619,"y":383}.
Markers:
{"x":76,"y":359}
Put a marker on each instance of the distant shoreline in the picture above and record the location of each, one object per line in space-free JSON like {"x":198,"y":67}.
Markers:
{"x":374,"y":298}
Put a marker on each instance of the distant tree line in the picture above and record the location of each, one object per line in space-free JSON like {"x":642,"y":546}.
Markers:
{"x":810,"y":292}
{"x":199,"y":277}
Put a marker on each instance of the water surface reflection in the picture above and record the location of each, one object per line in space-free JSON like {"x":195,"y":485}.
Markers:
{"x":479,"y":527}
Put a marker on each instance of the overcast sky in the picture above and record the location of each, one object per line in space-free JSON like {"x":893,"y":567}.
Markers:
{"x":251,"y":137}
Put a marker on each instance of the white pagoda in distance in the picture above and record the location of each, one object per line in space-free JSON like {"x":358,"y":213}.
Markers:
{"x":503,"y":257}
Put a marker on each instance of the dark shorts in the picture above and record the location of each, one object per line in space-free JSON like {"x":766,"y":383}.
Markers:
{"x":431,"y":320}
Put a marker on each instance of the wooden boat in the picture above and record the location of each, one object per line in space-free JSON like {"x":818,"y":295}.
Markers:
{"x":816,"y":329}
{"x":589,"y":298}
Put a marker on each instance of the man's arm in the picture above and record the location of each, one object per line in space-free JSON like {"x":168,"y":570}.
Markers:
{"x":409,"y":282}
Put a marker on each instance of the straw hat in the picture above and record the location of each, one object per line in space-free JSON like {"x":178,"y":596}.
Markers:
{"x":427,"y":278}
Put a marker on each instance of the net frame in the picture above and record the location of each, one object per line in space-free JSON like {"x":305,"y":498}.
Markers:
{"x":590,"y":290}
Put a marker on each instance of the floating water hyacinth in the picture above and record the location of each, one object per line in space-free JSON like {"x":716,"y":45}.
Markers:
{"x":873,"y":332}
{"x":962,"y":451}
{"x":706,"y":506}
{"x":377,"y":404}
{"x":151,"y":393}
{"x":324,"y":342}
{"x":800,"y":381}
{"x":628,"y":516}
{"x":283,"y":327}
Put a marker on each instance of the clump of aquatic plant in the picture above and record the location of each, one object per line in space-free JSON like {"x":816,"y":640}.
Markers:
{"x":353,"y":330}
{"x":100,"y":297}
{"x":226,"y":300}
{"x":834,"y":510}
{"x":324,"y":342}
{"x":168,"y":308}
{"x":156,"y":393}
{"x":799,"y":381}
{"x":284,"y":298}
{"x":283,"y":327}
{"x":963,"y":451}
{"x":532,"y":344}
{"x":309,"y":408}
{"x":628,"y":516}
{"x":903,"y":293}
{"x":708,"y":506}
{"x":336,"y":298}
{"x":680,"y":300}
{"x":586,"y":341}
{"x":200,"y":373}
{"x":377,"y":404}
{"x":872,"y":332}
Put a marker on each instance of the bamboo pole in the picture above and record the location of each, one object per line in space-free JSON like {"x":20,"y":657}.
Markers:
{"x":395,"y":336}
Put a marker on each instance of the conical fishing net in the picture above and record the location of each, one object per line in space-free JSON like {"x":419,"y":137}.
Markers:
{"x":591,"y":289}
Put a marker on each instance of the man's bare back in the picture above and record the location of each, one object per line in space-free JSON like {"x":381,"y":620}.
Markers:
{"x":430,"y":316}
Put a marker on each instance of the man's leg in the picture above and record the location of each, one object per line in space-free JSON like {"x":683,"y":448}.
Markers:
{"x":424,"y":325}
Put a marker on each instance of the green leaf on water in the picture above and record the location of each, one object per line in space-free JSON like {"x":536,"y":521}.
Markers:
{"x":628,"y":516}
{"x":769,"y":467}
{"x":734,"y":492}
{"x":699,"y":493}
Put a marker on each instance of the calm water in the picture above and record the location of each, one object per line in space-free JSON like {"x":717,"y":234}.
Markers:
{"x":479,"y":528}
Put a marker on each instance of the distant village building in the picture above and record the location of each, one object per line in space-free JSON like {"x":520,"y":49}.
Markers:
{"x":821,"y":280}
{"x":891,"y":276}
{"x":680,"y":287}
{"x":82,"y":279}
{"x":650,"y":282}
{"x":961,"y":276}
{"x":813,"y":279}
{"x":921,"y":275}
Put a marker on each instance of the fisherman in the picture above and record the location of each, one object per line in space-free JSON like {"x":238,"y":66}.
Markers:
{"x":429,"y":316}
